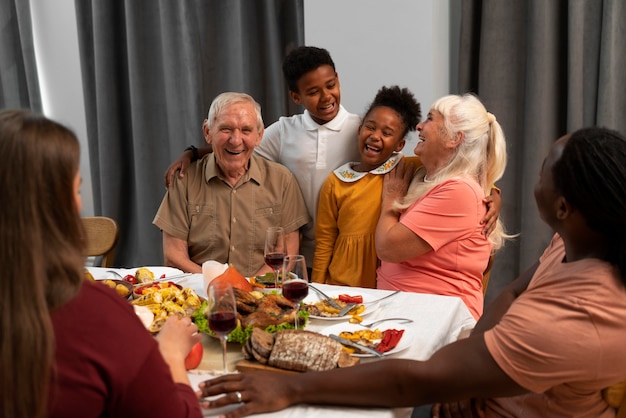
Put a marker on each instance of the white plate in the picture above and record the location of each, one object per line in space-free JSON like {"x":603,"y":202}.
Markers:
{"x":407,"y":340}
{"x":101,"y":273}
{"x":368,"y":296}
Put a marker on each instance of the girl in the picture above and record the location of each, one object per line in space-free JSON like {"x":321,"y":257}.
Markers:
{"x":349,"y":201}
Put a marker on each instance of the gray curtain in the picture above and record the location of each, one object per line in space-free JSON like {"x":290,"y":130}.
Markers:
{"x":19,"y":85}
{"x":151,"y":69}
{"x":544,"y":68}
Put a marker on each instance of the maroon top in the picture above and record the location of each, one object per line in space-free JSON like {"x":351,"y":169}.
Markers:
{"x":108,"y":365}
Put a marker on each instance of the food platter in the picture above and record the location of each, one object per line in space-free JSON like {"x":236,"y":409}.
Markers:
{"x":100,"y":273}
{"x":368,"y":296}
{"x":407,"y":340}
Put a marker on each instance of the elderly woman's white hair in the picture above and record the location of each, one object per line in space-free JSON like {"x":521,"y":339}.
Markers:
{"x":481,"y":153}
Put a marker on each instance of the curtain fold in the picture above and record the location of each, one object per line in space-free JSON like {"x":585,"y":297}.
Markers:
{"x":544,"y":68}
{"x":150,"y":71}
{"x":19,"y":85}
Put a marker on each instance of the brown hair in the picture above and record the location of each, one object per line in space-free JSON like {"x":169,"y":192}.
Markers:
{"x":41,"y":253}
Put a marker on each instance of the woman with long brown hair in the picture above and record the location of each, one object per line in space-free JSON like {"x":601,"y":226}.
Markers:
{"x":68,"y":347}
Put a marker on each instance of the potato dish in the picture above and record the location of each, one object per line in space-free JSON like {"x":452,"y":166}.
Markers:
{"x":122,"y":289}
{"x":164,"y":302}
{"x":322,"y":308}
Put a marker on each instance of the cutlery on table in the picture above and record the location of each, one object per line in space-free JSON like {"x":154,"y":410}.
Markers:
{"x":384,"y":297}
{"x":398,"y":320}
{"x":165,"y":279}
{"x":174,"y":278}
{"x":346,"y":309}
{"x":358,"y":346}
{"x":330,"y":301}
{"x":116,"y":274}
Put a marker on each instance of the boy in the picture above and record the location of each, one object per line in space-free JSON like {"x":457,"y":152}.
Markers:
{"x":311,"y":144}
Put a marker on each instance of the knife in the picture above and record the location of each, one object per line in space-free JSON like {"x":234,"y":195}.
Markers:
{"x":355,"y":345}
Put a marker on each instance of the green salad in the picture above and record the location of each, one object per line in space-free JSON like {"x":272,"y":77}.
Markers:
{"x":241,"y":335}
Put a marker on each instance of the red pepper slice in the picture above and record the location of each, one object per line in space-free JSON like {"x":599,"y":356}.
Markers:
{"x":350,"y":299}
{"x":391,"y":338}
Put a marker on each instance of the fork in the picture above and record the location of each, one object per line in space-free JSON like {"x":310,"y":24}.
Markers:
{"x":346,"y":309}
{"x":383,"y":298}
{"x":399,"y":320}
{"x":330,"y":301}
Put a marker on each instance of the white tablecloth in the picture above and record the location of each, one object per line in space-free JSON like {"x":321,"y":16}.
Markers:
{"x":438,"y":320}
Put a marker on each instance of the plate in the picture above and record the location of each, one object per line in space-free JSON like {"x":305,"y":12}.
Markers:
{"x":368,"y":296}
{"x":407,"y":340}
{"x":100,"y":273}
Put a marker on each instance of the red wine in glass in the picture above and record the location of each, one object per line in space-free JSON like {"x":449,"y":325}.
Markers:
{"x":275,"y":250}
{"x":295,"y":281}
{"x":296,"y":291}
{"x":222,"y":322}
{"x":274,"y":260}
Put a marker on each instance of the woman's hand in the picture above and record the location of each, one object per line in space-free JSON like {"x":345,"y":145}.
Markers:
{"x":175,"y":340}
{"x":396,"y":182}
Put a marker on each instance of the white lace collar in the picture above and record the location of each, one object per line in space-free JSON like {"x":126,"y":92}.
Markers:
{"x":347,"y":174}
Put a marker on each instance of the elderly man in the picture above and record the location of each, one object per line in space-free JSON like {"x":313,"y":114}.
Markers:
{"x":222,"y":207}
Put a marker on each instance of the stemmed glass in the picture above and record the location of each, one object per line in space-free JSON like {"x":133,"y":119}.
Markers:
{"x":275,"y":250}
{"x":295,"y":281}
{"x":222,"y":313}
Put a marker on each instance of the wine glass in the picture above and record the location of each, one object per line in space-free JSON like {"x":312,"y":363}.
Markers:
{"x":295,"y":281}
{"x":275,"y":250}
{"x":222,"y":313}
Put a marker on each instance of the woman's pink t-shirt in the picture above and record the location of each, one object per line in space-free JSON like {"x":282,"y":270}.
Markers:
{"x":448,"y":219}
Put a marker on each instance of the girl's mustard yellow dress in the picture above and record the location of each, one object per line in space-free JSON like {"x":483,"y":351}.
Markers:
{"x":348,"y":211}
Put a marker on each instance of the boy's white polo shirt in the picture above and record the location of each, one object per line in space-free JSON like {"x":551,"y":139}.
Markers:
{"x":311,"y":151}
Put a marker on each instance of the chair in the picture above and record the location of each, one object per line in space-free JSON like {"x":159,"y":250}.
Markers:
{"x":487,"y":273}
{"x":102,"y":234}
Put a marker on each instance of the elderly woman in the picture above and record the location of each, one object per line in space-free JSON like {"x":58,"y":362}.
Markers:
{"x":430,"y":238}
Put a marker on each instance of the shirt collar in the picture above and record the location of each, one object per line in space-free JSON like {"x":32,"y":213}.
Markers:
{"x":253,"y":173}
{"x":333,"y":125}
{"x":346,"y":174}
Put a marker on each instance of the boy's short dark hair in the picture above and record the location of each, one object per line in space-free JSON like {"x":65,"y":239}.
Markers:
{"x":302,"y":60}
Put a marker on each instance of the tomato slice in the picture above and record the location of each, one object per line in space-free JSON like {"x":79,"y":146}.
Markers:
{"x":350,"y":299}
{"x":130,"y":279}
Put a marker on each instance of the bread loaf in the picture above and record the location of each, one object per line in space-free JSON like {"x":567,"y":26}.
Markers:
{"x":304,"y":351}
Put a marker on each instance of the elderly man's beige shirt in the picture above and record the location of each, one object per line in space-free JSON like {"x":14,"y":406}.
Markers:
{"x":225,"y":223}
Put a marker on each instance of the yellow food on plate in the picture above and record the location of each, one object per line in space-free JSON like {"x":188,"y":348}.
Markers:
{"x":164,"y":302}
{"x":323,"y":308}
{"x":89,"y":276}
{"x":122,"y":288}
{"x":366,"y":337}
{"x":144,"y":275}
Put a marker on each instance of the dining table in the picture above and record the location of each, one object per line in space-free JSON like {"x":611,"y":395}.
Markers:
{"x":436,"y":321}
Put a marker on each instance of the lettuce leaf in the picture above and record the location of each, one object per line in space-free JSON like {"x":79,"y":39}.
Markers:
{"x":241,"y":335}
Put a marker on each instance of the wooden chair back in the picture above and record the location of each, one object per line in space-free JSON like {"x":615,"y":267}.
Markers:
{"x":101,"y":234}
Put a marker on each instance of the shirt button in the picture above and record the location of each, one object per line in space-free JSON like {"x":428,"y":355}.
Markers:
{"x":232,"y":248}
{"x":234,"y":220}
{"x":234,"y":191}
